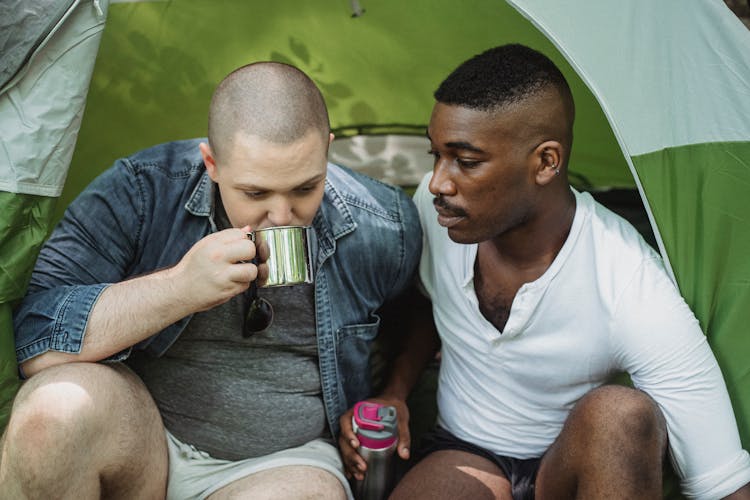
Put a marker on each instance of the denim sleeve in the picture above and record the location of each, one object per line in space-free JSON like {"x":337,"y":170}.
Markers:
{"x":93,"y":245}
{"x":54,"y":320}
{"x":411,"y":245}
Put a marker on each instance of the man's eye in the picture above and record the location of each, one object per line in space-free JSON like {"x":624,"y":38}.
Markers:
{"x":306,"y":190}
{"x":435,"y":155}
{"x":467,"y":163}
{"x":254,"y":194}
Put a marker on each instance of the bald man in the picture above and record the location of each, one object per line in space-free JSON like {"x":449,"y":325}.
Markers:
{"x":149,"y":271}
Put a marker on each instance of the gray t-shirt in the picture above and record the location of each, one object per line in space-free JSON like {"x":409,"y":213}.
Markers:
{"x":237,"y":397}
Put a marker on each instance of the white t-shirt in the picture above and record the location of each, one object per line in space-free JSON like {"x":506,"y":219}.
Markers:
{"x":605,"y":305}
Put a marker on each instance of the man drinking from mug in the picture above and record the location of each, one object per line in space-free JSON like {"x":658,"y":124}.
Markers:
{"x":149,"y":270}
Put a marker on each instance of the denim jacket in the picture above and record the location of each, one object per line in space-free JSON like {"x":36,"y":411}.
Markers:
{"x":145,"y":212}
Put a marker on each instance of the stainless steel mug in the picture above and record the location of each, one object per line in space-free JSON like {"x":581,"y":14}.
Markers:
{"x":288,"y":250}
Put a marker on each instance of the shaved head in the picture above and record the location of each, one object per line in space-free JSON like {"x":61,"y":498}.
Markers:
{"x":273,"y":101}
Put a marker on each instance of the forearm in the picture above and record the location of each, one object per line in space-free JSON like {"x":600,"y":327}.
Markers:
{"x":741,"y":494}
{"x":124,"y":314}
{"x":134,"y":310}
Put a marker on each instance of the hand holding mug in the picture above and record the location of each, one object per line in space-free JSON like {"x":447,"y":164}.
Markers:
{"x":216,"y":268}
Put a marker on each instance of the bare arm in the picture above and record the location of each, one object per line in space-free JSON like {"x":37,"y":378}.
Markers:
{"x":741,"y":494}
{"x":213,"y":271}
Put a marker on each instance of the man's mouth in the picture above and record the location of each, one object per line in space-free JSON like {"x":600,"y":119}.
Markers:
{"x":448,"y":216}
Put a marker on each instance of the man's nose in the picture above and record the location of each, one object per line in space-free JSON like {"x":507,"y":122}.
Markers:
{"x":280,"y":213}
{"x":441,"y":182}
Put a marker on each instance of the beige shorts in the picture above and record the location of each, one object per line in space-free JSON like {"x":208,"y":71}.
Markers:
{"x":194,"y":474}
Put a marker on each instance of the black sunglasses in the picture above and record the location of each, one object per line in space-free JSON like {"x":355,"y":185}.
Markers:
{"x":259,"y":314}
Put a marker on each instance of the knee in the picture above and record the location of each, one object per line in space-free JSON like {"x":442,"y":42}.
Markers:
{"x":46,"y":411}
{"x":55,"y":407}
{"x":621,"y":411}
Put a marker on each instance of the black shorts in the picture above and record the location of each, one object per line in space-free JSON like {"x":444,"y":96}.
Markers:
{"x":520,"y":472}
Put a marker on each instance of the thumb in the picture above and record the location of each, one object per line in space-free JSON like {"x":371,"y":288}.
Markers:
{"x":404,"y":441}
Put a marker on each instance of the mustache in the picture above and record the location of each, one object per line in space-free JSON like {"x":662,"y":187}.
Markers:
{"x":440,"y":202}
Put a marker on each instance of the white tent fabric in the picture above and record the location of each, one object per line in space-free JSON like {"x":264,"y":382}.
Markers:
{"x":42,"y":106}
{"x":669,"y":80}
{"x":23,"y":27}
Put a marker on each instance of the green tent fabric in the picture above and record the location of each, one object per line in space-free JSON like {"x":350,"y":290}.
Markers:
{"x":661,"y":93}
{"x":48,"y":50}
{"x":23,"y":228}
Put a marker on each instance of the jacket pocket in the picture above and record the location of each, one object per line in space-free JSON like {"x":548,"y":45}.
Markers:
{"x":353,"y":349}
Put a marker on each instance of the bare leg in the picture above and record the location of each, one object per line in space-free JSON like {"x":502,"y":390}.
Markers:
{"x":611,"y":446}
{"x":84,"y":430}
{"x":453,"y":474}
{"x":293,"y":482}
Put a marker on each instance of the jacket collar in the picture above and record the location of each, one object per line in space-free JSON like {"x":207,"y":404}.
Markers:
{"x":201,"y":201}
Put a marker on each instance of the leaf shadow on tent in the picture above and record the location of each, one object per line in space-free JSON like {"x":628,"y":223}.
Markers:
{"x":336,"y":92}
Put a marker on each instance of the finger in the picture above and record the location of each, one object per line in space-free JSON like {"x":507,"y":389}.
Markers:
{"x":263,"y":251}
{"x":347,"y":432}
{"x":357,"y":468}
{"x":354,"y":460}
{"x":351,"y":458}
{"x":404,"y":452}
{"x":243,"y":272}
{"x":241,"y":250}
{"x":404,"y":440}
{"x":354,"y":464}
{"x":231,"y":234}
{"x":263,"y":273}
{"x":361,"y":464}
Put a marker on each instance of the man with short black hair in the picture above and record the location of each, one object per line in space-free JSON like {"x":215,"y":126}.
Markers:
{"x":539,"y":296}
{"x":151,"y":266}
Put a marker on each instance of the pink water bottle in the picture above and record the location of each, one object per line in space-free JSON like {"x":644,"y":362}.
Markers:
{"x":377,"y":431}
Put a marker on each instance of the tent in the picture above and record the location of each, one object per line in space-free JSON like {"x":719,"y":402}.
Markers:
{"x":661,"y":91}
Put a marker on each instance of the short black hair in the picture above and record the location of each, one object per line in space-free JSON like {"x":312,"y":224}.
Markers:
{"x":501,"y":76}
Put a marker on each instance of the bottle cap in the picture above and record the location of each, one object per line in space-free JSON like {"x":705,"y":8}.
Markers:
{"x":375,"y":425}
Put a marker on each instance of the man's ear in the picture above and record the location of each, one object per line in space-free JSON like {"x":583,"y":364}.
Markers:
{"x":330,"y":138}
{"x":548,"y":157}
{"x":208,"y":160}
